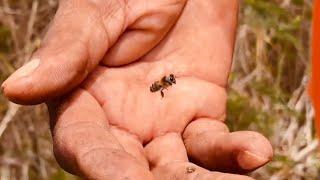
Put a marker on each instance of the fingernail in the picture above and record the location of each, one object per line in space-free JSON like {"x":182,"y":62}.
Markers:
{"x":249,"y":161}
{"x":24,"y":71}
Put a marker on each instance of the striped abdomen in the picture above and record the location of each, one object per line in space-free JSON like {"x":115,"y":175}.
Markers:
{"x":155,"y":87}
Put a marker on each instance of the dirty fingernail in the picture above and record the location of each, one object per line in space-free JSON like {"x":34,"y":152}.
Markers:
{"x":249,"y":161}
{"x":25,"y":70}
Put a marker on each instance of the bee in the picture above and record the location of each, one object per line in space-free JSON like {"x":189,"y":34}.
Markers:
{"x":164,"y":83}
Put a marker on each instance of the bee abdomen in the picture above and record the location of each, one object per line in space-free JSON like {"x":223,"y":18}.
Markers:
{"x":154,"y":87}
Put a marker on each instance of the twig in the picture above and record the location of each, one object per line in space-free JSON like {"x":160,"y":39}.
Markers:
{"x":31,"y":22}
{"x":11,"y":112}
{"x":9,"y":21}
{"x":306,"y":151}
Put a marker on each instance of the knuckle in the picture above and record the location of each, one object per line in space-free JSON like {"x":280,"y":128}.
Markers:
{"x":159,"y":16}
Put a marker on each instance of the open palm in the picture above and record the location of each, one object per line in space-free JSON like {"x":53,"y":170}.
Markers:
{"x":112,"y":126}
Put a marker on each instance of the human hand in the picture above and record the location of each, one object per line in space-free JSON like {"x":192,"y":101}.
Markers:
{"x":79,"y":37}
{"x":114,"y":127}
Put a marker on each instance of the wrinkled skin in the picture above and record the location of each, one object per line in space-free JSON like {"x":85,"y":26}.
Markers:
{"x":111,"y":126}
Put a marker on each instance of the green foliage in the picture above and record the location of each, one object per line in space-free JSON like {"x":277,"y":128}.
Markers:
{"x":242,"y":114}
{"x":269,"y":71}
{"x":285,"y":33}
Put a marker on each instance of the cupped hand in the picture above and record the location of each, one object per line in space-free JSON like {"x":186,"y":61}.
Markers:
{"x":113,"y":127}
{"x":82,"y":33}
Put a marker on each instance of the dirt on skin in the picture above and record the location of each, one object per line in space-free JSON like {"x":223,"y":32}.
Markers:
{"x":190,"y":170}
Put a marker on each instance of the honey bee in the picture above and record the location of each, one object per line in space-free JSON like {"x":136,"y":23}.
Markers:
{"x":164,"y":83}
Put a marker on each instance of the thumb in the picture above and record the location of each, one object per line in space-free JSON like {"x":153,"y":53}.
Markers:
{"x":75,"y":42}
{"x":79,"y":37}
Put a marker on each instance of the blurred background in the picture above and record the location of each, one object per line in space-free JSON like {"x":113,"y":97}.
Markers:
{"x":267,"y":88}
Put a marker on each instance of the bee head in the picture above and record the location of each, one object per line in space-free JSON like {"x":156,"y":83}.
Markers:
{"x":171,"y":79}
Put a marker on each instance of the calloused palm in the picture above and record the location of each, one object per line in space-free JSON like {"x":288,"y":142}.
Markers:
{"x":113,"y":127}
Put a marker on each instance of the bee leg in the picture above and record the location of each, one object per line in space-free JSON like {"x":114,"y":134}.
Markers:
{"x":162,"y":94}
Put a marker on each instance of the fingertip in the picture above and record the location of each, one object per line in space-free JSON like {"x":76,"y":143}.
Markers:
{"x":18,"y":87}
{"x":254,"y":150}
{"x":23,"y":71}
{"x":249,"y":161}
{"x":8,"y":86}
{"x":37,"y":82}
{"x":256,"y":143}
{"x":19,"y":91}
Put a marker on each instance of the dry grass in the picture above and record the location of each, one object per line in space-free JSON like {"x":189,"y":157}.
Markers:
{"x":267,"y":88}
{"x":25,"y":144}
{"x":268,"y":85}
